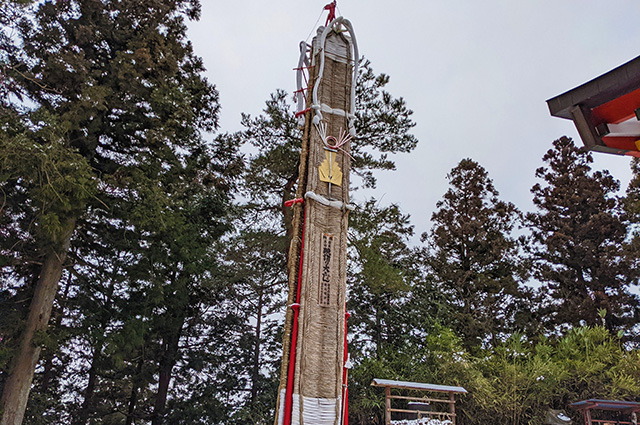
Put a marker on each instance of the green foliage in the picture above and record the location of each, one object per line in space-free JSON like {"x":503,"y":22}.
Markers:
{"x":380,"y":274}
{"x":437,"y":357}
{"x":366,"y":403}
{"x":579,"y":242}
{"x":631,"y":208}
{"x":256,"y":264}
{"x":383,"y":125}
{"x":272,"y":173}
{"x":523,"y":379}
{"x":515,"y":384}
{"x":116,"y":143}
{"x":39,"y":163}
{"x":474,"y":259}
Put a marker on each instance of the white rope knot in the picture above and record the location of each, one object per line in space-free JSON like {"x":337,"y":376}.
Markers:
{"x":324,"y":201}
{"x":343,"y":139}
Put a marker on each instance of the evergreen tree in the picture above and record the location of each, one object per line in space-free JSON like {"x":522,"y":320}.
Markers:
{"x":256,"y":266}
{"x":631,"y":207}
{"x":579,"y":239}
{"x":381,"y":270}
{"x":46,"y":187}
{"x":383,"y":124}
{"x":380,"y":274}
{"x":473,"y":257}
{"x":124,"y":103}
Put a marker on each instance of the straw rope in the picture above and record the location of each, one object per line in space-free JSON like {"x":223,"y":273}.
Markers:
{"x":293,"y":258}
{"x":318,"y":365}
{"x":320,"y":345}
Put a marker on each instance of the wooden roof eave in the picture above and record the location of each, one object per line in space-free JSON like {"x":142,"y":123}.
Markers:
{"x":613,"y":405}
{"x":611,"y":85}
{"x":405,"y":385}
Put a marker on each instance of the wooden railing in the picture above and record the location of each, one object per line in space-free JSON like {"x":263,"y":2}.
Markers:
{"x":431,"y":391}
{"x":450,"y":415}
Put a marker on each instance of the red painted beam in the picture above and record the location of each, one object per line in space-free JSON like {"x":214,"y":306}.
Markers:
{"x":617,"y":110}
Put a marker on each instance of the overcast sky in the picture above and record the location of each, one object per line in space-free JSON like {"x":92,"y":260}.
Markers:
{"x":475,"y":73}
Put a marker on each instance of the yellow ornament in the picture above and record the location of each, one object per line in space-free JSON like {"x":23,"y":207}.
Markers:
{"x":329,"y":170}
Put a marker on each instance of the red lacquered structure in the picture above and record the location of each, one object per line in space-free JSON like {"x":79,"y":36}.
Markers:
{"x":605,"y":110}
{"x":620,"y":412}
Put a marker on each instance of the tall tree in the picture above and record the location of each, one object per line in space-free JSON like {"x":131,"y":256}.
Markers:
{"x":256,"y":265}
{"x":631,"y":207}
{"x":473,"y":256}
{"x":383,"y":124}
{"x":55,"y":184}
{"x":123,"y":83}
{"x":578,"y":237}
{"x":381,"y":270}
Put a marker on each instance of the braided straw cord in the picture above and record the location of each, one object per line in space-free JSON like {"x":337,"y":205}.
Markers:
{"x":320,"y":345}
{"x":319,"y":349}
{"x":293,"y":256}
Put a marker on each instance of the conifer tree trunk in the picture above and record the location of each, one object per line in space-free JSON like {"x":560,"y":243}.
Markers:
{"x":133,"y":398}
{"x":167,"y":363}
{"x":256,"y":353}
{"x":87,"y":403}
{"x":16,"y":390}
{"x":48,"y":373}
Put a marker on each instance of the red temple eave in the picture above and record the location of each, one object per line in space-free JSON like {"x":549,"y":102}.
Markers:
{"x":604,"y":110}
{"x":619,"y":109}
{"x":622,"y":143}
{"x":603,"y":89}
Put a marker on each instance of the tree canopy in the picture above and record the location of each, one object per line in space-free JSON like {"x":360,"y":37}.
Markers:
{"x":579,"y":237}
{"x":142,"y":252}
